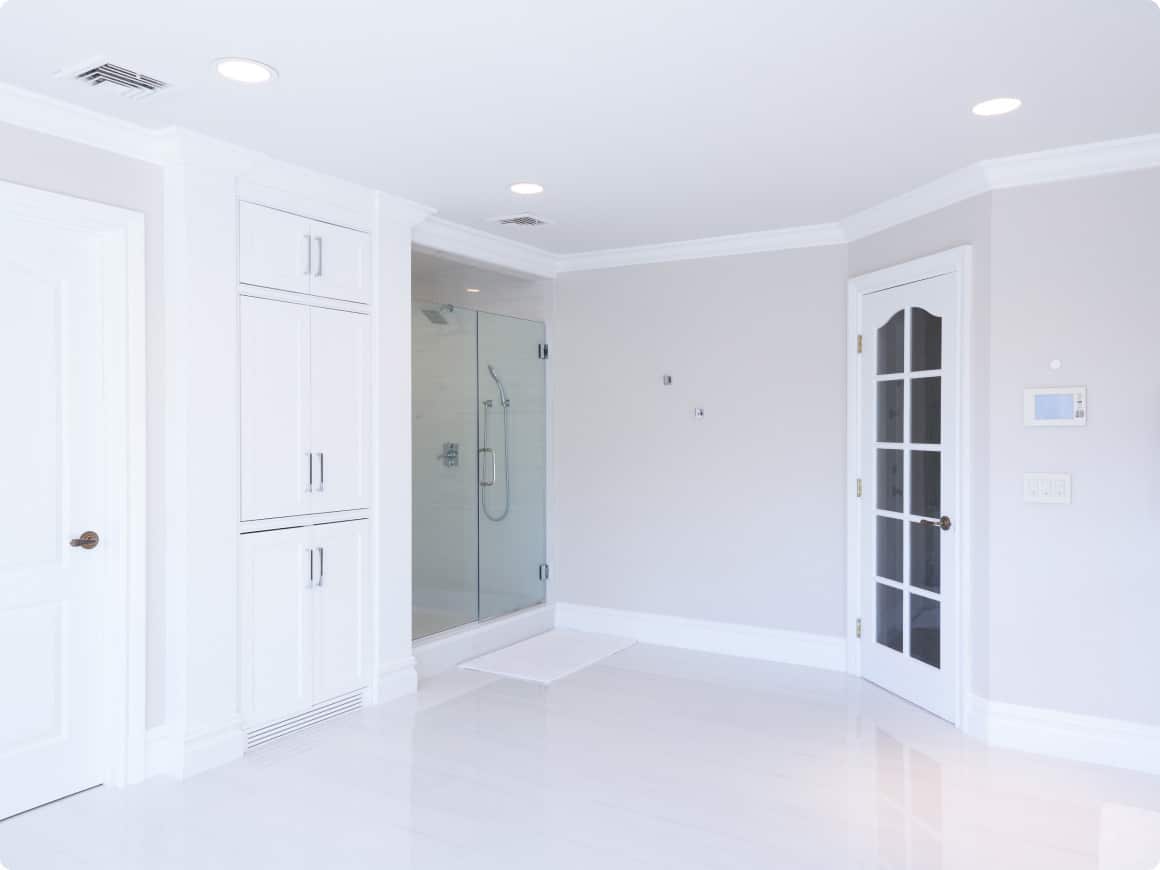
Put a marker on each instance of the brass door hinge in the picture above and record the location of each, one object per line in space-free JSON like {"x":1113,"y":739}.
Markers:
{"x":859,"y":344}
{"x":858,"y":488}
{"x":858,"y":627}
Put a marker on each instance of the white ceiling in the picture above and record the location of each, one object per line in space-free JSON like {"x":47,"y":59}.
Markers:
{"x":648,"y":121}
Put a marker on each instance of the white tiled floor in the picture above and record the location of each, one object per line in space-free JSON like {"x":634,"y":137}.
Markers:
{"x":654,"y":758}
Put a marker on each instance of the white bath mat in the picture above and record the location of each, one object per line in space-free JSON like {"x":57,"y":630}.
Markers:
{"x":550,"y":656}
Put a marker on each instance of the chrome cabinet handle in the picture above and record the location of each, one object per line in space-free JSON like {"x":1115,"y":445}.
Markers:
{"x":321,"y":564}
{"x":486,"y":480}
{"x":308,"y":252}
{"x":309,"y":471}
{"x":321,"y":472}
{"x":318,"y":265}
{"x":310,"y":580}
{"x":943,"y":523}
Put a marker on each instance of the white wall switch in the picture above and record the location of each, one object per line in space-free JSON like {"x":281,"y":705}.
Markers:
{"x":1047,"y":488}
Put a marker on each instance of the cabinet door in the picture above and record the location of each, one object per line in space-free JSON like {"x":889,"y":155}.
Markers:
{"x":277,"y":625}
{"x":340,"y":608}
{"x":340,"y":409}
{"x":274,"y":248}
{"x":275,"y":411}
{"x":340,"y":263}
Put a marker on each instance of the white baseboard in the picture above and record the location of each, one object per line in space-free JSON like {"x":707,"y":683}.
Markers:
{"x":444,"y":651}
{"x":158,"y":752}
{"x":1091,"y":739}
{"x":726,"y":638}
{"x":212,"y":749}
{"x":396,"y":680}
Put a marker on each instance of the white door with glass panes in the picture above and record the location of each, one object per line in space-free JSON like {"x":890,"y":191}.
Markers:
{"x":910,"y":472}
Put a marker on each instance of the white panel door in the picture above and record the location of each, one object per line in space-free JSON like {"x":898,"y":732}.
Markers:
{"x":910,"y":468}
{"x":277,"y":624}
{"x":274,"y":249}
{"x":340,"y":608}
{"x":340,"y":263}
{"x":54,"y":453}
{"x":276,"y":464}
{"x":340,"y":409}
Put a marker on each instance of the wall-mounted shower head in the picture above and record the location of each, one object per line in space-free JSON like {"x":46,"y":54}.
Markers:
{"x":436,"y":315}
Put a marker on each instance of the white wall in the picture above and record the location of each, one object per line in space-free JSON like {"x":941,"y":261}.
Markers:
{"x":1075,"y":589}
{"x":735,"y":517}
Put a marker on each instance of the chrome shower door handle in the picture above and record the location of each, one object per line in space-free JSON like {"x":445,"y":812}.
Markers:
{"x":486,"y":480}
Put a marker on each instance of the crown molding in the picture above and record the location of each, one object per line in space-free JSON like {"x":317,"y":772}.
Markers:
{"x":816,"y":236}
{"x":960,"y":185}
{"x":447,"y":237}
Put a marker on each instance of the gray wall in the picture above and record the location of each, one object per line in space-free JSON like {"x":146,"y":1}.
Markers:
{"x":48,"y":163}
{"x":1075,"y":589}
{"x":734,"y":517}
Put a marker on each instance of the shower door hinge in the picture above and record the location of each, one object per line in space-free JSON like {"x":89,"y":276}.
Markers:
{"x":858,"y":488}
{"x":542,"y":351}
{"x":858,"y":627}
{"x":859,"y":344}
{"x":544,"y":571}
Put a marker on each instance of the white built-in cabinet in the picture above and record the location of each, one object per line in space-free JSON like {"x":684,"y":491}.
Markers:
{"x":303,"y":618}
{"x":305,"y":467}
{"x":283,"y":251}
{"x":305,"y":409}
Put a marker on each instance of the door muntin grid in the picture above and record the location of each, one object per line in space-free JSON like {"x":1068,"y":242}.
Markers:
{"x":908,"y":430}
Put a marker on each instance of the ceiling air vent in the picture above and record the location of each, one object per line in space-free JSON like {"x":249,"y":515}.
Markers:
{"x":128,"y":83}
{"x":521,"y":220}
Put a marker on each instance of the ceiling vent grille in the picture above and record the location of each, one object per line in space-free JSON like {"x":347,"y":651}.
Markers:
{"x":521,"y":220}
{"x":128,"y":83}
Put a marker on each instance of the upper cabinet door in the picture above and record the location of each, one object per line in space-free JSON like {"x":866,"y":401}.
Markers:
{"x":341,"y":553}
{"x":275,"y":409}
{"x":340,"y":263}
{"x":340,"y":409}
{"x":275,"y":249}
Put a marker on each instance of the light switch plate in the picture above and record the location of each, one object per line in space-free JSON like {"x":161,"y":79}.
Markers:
{"x":1047,"y":488}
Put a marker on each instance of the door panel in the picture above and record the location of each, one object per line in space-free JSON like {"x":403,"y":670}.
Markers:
{"x":276,"y":624}
{"x":909,"y":449}
{"x":341,"y":263}
{"x":51,"y":373}
{"x":340,"y":608}
{"x":340,"y":409}
{"x":274,"y":249}
{"x":275,"y":380}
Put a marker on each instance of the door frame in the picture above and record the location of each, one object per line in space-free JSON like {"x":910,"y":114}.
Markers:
{"x":958,"y":262}
{"x":119,"y":235}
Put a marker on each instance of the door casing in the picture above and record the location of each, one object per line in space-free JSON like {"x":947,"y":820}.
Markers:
{"x":119,"y":237}
{"x":956,"y":261}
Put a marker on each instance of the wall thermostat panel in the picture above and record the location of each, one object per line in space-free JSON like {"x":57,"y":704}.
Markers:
{"x":1055,"y":406}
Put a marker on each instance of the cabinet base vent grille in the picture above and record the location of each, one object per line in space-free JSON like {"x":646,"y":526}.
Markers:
{"x":331,"y":709}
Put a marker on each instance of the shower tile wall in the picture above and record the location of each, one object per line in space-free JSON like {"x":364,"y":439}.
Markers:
{"x":445,"y":554}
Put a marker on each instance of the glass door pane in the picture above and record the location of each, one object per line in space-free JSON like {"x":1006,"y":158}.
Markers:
{"x":511,"y":466}
{"x":444,"y":534}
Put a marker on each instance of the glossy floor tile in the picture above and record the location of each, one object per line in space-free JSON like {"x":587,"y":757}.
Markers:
{"x":654,"y":758}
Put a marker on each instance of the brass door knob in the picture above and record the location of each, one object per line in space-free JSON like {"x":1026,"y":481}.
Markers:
{"x":87,"y":541}
{"x":943,"y":523}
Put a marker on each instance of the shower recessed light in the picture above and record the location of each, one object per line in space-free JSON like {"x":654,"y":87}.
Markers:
{"x":244,"y":70}
{"x":472,"y":289}
{"x":527,"y":188}
{"x":997,"y":106}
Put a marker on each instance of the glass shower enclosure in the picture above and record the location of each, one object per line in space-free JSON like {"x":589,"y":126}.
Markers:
{"x":479,"y":465}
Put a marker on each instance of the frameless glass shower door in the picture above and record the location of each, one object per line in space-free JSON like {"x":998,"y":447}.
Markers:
{"x":479,"y":447}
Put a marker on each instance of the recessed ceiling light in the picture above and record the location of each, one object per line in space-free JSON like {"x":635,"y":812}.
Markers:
{"x":527,"y":188}
{"x":472,"y":289}
{"x":244,"y":70}
{"x":998,"y":106}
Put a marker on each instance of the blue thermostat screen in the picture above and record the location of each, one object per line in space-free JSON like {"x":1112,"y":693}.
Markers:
{"x":1054,"y":406}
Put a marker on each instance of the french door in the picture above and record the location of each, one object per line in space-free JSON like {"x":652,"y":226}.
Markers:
{"x":909,"y":457}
